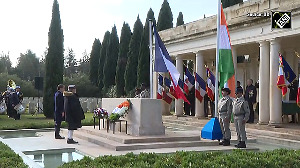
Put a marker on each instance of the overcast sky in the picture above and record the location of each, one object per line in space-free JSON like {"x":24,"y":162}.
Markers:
{"x":25,"y":23}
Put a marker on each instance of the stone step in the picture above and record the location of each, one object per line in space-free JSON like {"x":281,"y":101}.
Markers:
{"x":128,"y":139}
{"x":113,"y":145}
{"x":280,"y":135}
{"x":279,"y":141}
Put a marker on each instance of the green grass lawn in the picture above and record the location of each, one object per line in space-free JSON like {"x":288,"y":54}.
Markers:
{"x":35,"y":122}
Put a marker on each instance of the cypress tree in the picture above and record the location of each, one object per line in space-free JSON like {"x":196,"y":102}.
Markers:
{"x":54,"y":65}
{"x":94,"y":61}
{"x":110,"y":64}
{"x":143,"y":75}
{"x":165,"y":17}
{"x":180,"y":19}
{"x":102,"y":60}
{"x":133,"y":56}
{"x":122,"y":60}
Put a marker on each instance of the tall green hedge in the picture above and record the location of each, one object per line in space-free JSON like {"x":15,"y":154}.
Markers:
{"x":237,"y":159}
{"x":9,"y":159}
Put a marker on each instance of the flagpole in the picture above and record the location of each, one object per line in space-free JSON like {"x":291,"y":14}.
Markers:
{"x":217,"y":59}
{"x":151,"y":58}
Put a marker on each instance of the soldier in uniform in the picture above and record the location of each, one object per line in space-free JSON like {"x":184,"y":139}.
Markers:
{"x":225,"y":109}
{"x":241,"y":114}
{"x":19,"y":93}
{"x":250,"y":97}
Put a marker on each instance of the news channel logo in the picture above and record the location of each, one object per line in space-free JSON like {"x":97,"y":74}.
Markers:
{"x":281,"y":20}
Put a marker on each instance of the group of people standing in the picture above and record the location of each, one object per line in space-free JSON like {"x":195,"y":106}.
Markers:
{"x":242,"y":110}
{"x":67,"y":108}
{"x":12,"y":98}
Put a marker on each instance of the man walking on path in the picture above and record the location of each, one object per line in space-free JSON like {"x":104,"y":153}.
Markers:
{"x":59,"y":109}
{"x":74,"y":112}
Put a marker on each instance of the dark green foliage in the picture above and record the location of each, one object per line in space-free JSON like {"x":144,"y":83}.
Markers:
{"x":94,"y":62}
{"x":103,"y":52}
{"x":122,"y":60}
{"x":28,"y":66}
{"x":133,"y":56}
{"x":143,"y":75}
{"x":84,"y":86}
{"x":9,"y":159}
{"x":84,"y":64}
{"x":110,"y":64}
{"x":5,"y":63}
{"x":27,"y":87}
{"x":228,"y":3}
{"x":180,"y":19}
{"x":70,"y":63}
{"x":54,"y":61}
{"x":237,"y":159}
{"x":165,"y":17}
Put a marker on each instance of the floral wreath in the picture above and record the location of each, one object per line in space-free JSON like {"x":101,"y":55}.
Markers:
{"x":120,"y":111}
{"x":100,"y":112}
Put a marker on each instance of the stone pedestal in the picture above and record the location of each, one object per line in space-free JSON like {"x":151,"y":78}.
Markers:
{"x":144,"y":118}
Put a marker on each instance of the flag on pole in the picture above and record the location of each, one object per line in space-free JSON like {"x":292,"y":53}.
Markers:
{"x":160,"y":88}
{"x":170,"y":87}
{"x":289,"y":74}
{"x":189,"y":81}
{"x":225,"y":64}
{"x":163,"y":63}
{"x":298,"y":94}
{"x":181,"y":85}
{"x":167,"y":97}
{"x":282,"y":83}
{"x":210,"y":88}
{"x":200,"y":87}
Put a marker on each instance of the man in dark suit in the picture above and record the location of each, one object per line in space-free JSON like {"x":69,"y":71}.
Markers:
{"x":250,"y":97}
{"x":59,"y":109}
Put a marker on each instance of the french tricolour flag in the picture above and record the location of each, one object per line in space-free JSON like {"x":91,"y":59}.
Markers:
{"x":210,"y":89}
{"x":160,"y":88}
{"x":163,"y":63}
{"x":200,"y":87}
{"x":189,"y":81}
{"x":170,"y":87}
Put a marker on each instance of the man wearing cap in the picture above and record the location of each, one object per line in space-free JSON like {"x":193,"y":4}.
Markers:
{"x":241,"y":114}
{"x":58,"y":110}
{"x":225,"y":109}
{"x":74,"y":112}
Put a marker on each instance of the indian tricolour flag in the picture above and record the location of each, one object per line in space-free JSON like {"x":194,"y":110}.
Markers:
{"x":226,"y":67}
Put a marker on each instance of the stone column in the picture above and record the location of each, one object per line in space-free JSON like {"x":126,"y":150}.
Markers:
{"x":264,"y":80}
{"x":234,"y":56}
{"x":275,"y":93}
{"x":200,"y":69}
{"x":179,"y":102}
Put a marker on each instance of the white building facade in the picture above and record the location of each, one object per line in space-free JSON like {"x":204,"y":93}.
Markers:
{"x":250,"y":36}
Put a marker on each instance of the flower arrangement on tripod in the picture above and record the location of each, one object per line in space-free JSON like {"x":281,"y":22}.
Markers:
{"x":120,"y":111}
{"x":100,"y":112}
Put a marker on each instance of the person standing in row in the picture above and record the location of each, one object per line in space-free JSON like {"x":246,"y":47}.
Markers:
{"x":250,"y":97}
{"x":13,"y":100}
{"x":241,"y":114}
{"x":58,"y":110}
{"x":225,"y":109}
{"x":73,"y":111}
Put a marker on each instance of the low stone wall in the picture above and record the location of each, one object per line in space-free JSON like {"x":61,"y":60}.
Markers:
{"x":144,"y":118}
{"x":87,"y":103}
